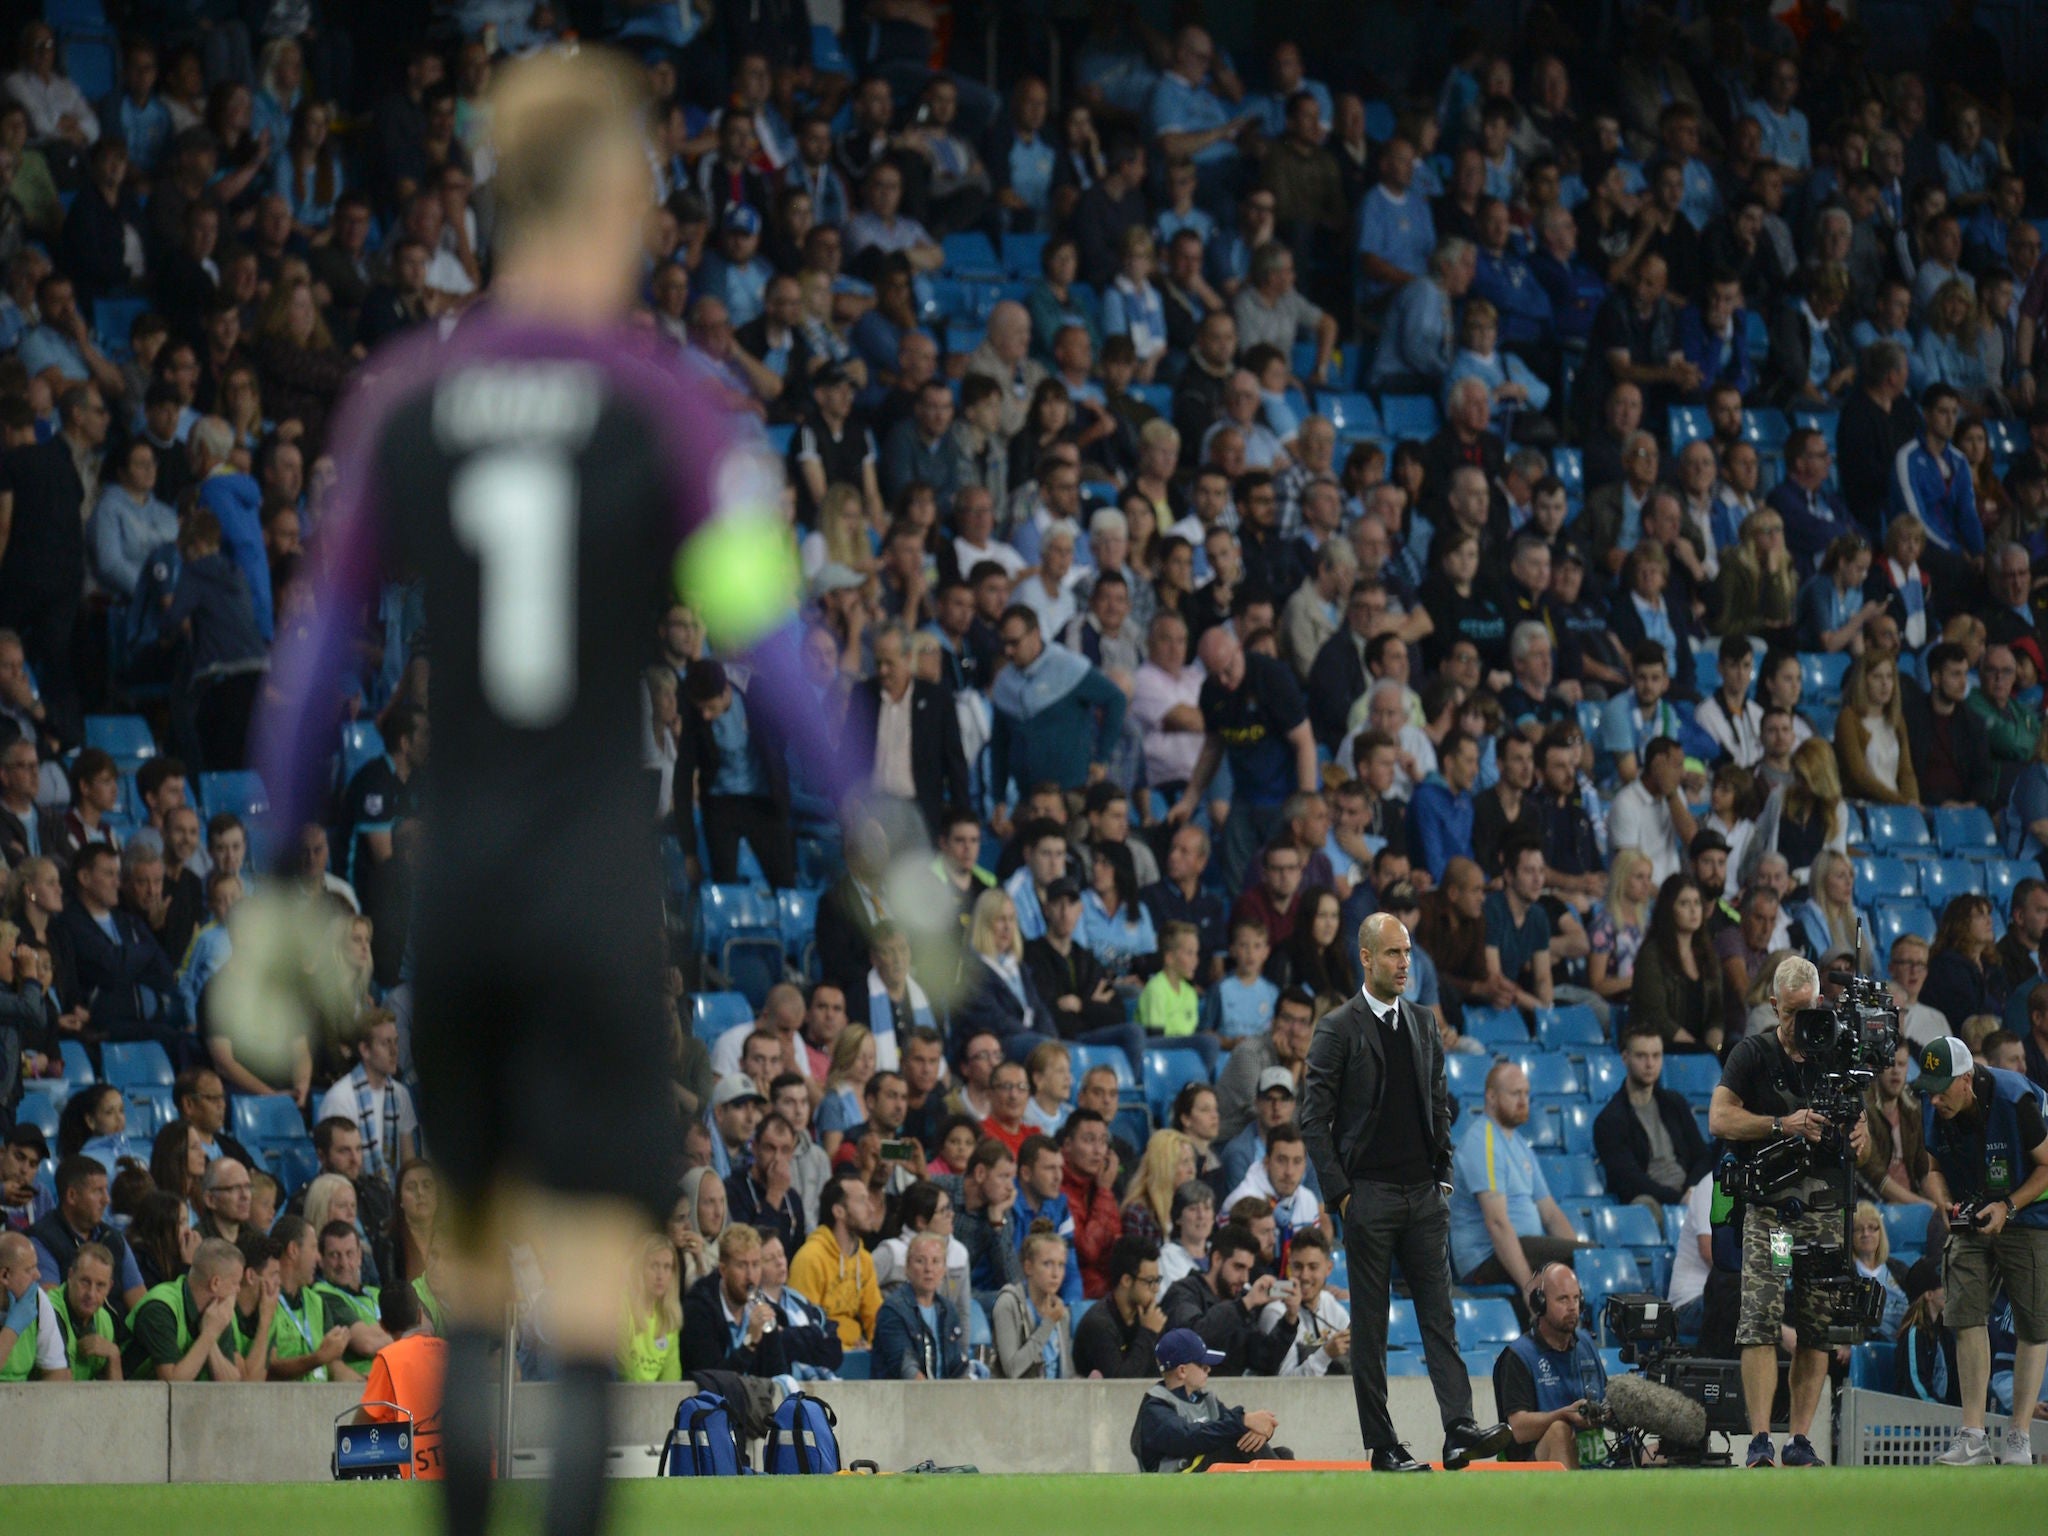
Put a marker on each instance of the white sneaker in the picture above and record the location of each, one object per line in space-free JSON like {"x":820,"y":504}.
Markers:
{"x":1968,"y":1450}
{"x":2015,"y":1449}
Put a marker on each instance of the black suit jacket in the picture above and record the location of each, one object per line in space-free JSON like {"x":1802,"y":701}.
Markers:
{"x":1343,"y":1090}
{"x":707,"y":1339}
{"x":107,"y":977}
{"x":938,"y":763}
{"x":1623,"y":1147}
{"x":1969,"y":737}
{"x":1335,"y":680}
{"x":844,"y":938}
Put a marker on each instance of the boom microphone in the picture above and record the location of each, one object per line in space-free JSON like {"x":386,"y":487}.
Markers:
{"x":1638,"y":1403}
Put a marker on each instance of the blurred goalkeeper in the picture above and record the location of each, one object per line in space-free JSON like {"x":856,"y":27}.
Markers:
{"x":537,"y":468}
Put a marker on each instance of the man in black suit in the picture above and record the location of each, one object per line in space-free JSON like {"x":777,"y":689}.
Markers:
{"x":903,"y":735}
{"x":731,"y":754}
{"x":1339,"y":675}
{"x":1376,"y":1115}
{"x":107,"y":961}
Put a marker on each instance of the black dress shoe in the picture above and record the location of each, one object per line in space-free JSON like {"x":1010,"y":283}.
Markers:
{"x":1395,"y":1458}
{"x":1466,"y":1442}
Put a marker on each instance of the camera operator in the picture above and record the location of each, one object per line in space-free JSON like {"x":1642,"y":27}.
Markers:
{"x":1762,"y":1097}
{"x":1985,"y":1132}
{"x":1543,"y":1381}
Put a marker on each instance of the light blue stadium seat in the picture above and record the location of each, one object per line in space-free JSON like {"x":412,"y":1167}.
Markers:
{"x":1403,"y":1331}
{"x":1467,"y":1075}
{"x":1605,"y":1074}
{"x":1627,"y":1226}
{"x":1410,"y":416}
{"x":1167,"y":1071}
{"x":1023,"y":253}
{"x":2001,"y":875}
{"x":713,"y":1013}
{"x":360,"y":744}
{"x":979,"y":1334}
{"x":1963,"y":829}
{"x":1897,"y":917}
{"x":125,"y":738}
{"x":1767,"y":428}
{"x":1942,"y":880}
{"x":1905,"y":1226}
{"x":39,"y":1109}
{"x":77,"y":1064}
{"x":1694,"y":1075}
{"x":1353,"y":415}
{"x":1687,"y":424}
{"x":1882,"y":878}
{"x":136,"y":1064}
{"x":294,"y":1163}
{"x":1086,"y":1058}
{"x":1134,"y":1124}
{"x":970,"y":254}
{"x":1589,"y":719}
{"x":238,"y":792}
{"x":780,"y":436}
{"x":1496,"y":1026}
{"x":150,"y":1109}
{"x":1575,"y":1024}
{"x":1550,"y":1073}
{"x":269,"y":1119}
{"x":1407,"y":1362}
{"x":1569,"y":465}
{"x":796,"y":912}
{"x":1484,"y":1320}
{"x":1890,"y":828}
{"x":1821,"y":672}
{"x":1578,"y":1127}
{"x":1605,"y":1272}
{"x":1569,"y":1174}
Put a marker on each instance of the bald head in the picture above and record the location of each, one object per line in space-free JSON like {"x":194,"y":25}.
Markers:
{"x":1384,"y":950}
{"x":1222,"y":656}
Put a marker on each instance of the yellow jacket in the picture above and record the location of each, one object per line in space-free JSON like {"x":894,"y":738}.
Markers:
{"x":843,"y":1285}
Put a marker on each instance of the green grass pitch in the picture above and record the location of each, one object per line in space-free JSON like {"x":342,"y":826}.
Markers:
{"x":1923,"y":1501}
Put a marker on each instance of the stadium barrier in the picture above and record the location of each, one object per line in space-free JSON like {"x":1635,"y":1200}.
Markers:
{"x":1878,"y":1429}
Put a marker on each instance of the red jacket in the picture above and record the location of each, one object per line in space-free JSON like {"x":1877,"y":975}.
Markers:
{"x":1098,"y":1223}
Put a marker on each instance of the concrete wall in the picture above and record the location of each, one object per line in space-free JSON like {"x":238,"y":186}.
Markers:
{"x":61,"y":1432}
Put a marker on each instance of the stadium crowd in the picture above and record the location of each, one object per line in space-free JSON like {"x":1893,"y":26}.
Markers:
{"x":1587,"y":509}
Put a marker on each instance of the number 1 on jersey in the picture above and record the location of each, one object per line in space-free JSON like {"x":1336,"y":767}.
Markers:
{"x":515,"y":511}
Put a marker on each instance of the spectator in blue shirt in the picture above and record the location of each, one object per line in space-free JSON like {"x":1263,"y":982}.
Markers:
{"x":1575,"y":289}
{"x":58,"y":349}
{"x":1931,"y":482}
{"x":1396,"y":233}
{"x":1713,"y":335}
{"x":1678,"y":126}
{"x":1519,"y":397}
{"x":922,"y":447}
{"x":1786,"y":139}
{"x":1441,"y":811}
{"x":129,"y":522}
{"x":136,"y":114}
{"x":1056,"y":717}
{"x":1021,"y":159}
{"x":1504,"y":279}
{"x":1814,"y":515}
{"x":1504,"y":1224}
{"x":1419,"y":341}
{"x":1969,"y":162}
{"x":736,"y":271}
{"x":1186,"y":117}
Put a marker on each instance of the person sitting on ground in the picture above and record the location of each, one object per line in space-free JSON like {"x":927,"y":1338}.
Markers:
{"x":1543,"y":1380}
{"x":1182,"y":1427}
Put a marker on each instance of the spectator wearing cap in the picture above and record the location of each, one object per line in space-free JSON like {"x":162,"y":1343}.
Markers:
{"x":1057,"y":719}
{"x":1182,"y":1427}
{"x":1078,"y":992}
{"x":24,"y":1200}
{"x":728,"y":749}
{"x":1272,"y":1107}
{"x":736,"y":1109}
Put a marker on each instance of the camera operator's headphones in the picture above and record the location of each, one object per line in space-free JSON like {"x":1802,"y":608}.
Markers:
{"x":1539,"y":1298}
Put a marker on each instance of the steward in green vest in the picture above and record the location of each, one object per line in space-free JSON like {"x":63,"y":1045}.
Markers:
{"x":344,"y":1296}
{"x":30,"y":1343}
{"x":184,"y":1328}
{"x":305,"y":1344}
{"x":84,"y":1317}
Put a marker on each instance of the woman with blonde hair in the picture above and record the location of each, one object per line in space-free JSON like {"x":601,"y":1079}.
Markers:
{"x":842,"y":536}
{"x":1911,"y":588}
{"x":1870,"y":734}
{"x":1760,"y":580}
{"x":696,"y":1224}
{"x":651,"y":1344}
{"x":1802,"y":817}
{"x":1871,"y":1248}
{"x":845,"y":1102}
{"x":995,"y":993}
{"x":1051,"y":1073}
{"x":301,"y":367}
{"x":1829,"y":914}
{"x":1033,"y":1332}
{"x":1616,"y":932}
{"x":1948,"y":351}
{"x":1168,"y":1163}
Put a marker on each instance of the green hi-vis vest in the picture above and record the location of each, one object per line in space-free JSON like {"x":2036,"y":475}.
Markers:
{"x":297,"y":1331}
{"x":20,"y":1363}
{"x":431,"y":1306}
{"x":172,"y":1294}
{"x":341,"y":1307}
{"x":90,"y":1368}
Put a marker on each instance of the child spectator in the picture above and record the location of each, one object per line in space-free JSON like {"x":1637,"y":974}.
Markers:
{"x":1240,"y":1006}
{"x":1182,"y":1427}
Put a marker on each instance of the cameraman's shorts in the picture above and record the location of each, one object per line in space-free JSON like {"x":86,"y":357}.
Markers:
{"x":1973,"y":1265}
{"x":1763,"y":1284}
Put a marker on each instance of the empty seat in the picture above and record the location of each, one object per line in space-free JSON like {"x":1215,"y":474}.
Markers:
{"x":1575,"y":1024}
{"x":1484,"y":1320}
{"x":1880,"y":877}
{"x":38,"y":1109}
{"x":1605,"y":1272}
{"x":1578,"y":1127}
{"x":137,"y":1064}
{"x":1134,"y":1124}
{"x":1821,"y":672}
{"x":1943,"y":880}
{"x":1496,"y":1026}
{"x":295,"y":1164}
{"x":1605,"y":1074}
{"x":1688,"y":424}
{"x":1407,"y":1362}
{"x":1167,"y":1071}
{"x":1895,"y":918}
{"x":77,"y":1064}
{"x":360,"y":744}
{"x":1403,"y":1331}
{"x":1353,"y":415}
{"x":1893,"y":827}
{"x":1905,"y":1226}
{"x":1550,"y":1073}
{"x":1467,"y":1075}
{"x":971,"y":255}
{"x":796,"y":913}
{"x":2001,"y":875}
{"x":1410,"y":416}
{"x":1627,"y":1226}
{"x":713,"y":1013}
{"x":271,"y":1118}
{"x":1963,"y":829}
{"x":1086,"y":1058}
{"x":1569,"y":465}
{"x":124,"y":738}
{"x":1695,"y":1075}
{"x":1023,"y":253}
{"x":239,"y":792}
{"x":1570,"y":1174}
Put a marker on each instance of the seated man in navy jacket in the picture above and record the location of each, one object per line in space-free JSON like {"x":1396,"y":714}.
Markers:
{"x":1647,"y":1141}
{"x":109,"y":963}
{"x":1182,"y":1427}
{"x":727,"y":1324}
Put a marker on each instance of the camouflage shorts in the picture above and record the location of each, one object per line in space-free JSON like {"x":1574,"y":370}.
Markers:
{"x":1763,"y":1284}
